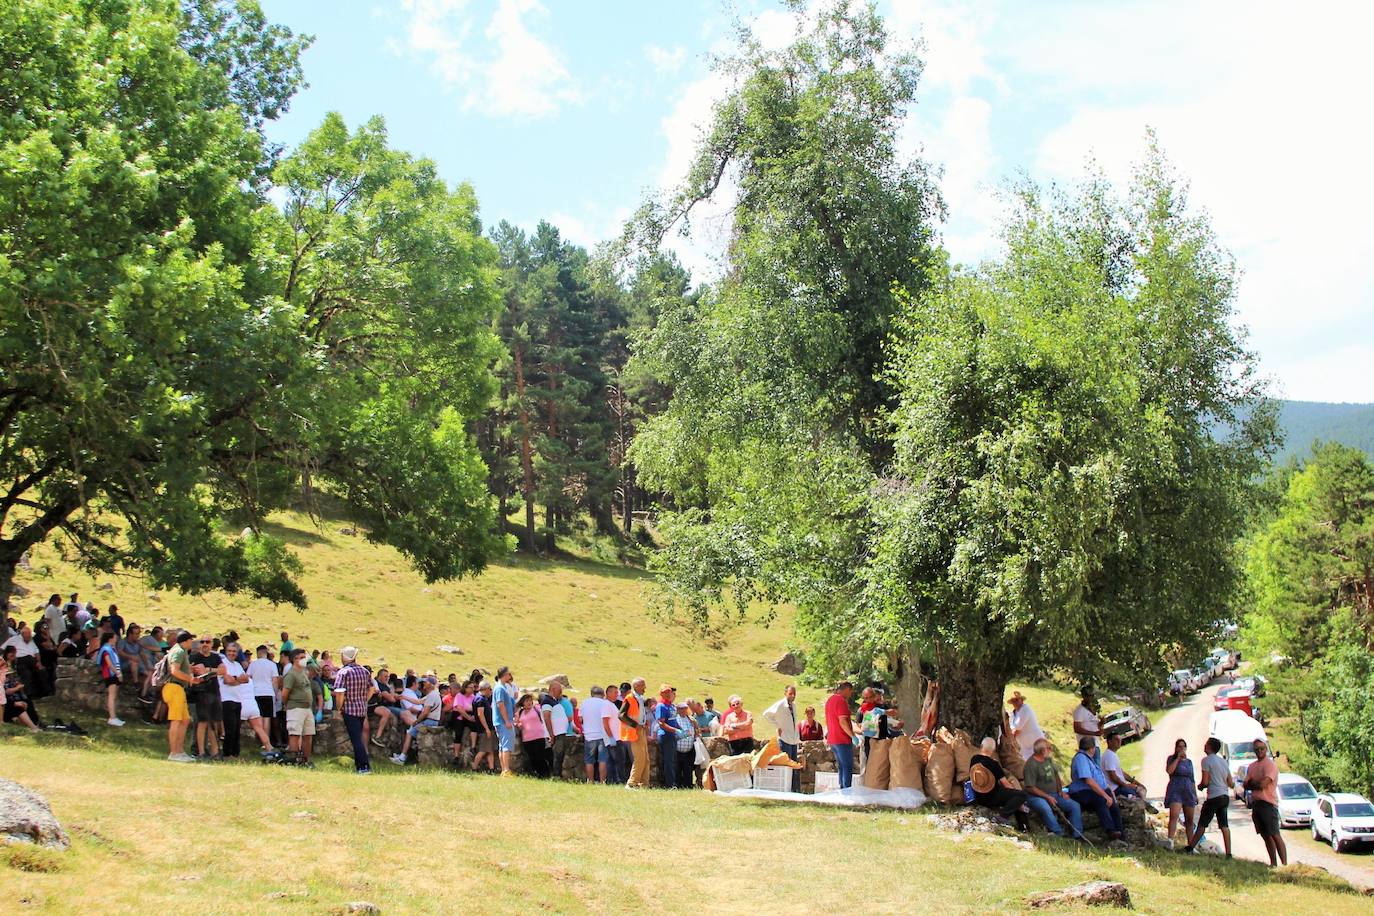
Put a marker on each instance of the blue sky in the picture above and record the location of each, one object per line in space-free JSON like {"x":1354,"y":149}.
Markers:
{"x":573,"y":111}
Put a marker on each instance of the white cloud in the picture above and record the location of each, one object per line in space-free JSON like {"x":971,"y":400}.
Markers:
{"x":666,"y":61}
{"x":511,"y":73}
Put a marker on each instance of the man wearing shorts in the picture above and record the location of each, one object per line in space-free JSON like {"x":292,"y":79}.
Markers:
{"x":208,"y":667}
{"x":298,"y":699}
{"x":503,"y":702}
{"x":174,"y":697}
{"x":598,"y":717}
{"x":1262,"y":779}
{"x":1216,"y":779}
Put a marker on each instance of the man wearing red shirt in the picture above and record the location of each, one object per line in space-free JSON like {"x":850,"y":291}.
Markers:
{"x":839,"y":728}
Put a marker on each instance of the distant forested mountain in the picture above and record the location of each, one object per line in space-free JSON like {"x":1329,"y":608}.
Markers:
{"x":1306,"y":422}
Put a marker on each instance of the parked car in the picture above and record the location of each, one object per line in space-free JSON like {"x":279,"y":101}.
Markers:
{"x":1226,"y":659}
{"x":1202,"y":675}
{"x":1253,"y":683}
{"x":1344,"y":819}
{"x":1128,"y":722}
{"x":1296,"y":797}
{"x":1219,"y":701}
{"x":1181,"y":682}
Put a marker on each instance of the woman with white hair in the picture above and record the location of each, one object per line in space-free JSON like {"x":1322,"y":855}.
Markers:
{"x":738,"y":727}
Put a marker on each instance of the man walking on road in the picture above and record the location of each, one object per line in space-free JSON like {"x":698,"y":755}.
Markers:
{"x":1262,"y":779}
{"x":1217,"y":781}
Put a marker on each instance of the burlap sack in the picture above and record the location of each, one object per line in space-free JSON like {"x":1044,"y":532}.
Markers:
{"x":939,"y":774}
{"x":908,"y":770}
{"x":876,"y":768}
{"x":1008,"y":753}
{"x":964,"y":752}
{"x":922,"y":748}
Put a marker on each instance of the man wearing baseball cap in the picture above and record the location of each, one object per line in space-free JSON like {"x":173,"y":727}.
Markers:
{"x":174,"y":695}
{"x":353,"y":687}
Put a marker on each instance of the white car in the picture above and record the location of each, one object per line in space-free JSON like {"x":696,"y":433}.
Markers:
{"x":1296,"y":798}
{"x":1344,"y":819}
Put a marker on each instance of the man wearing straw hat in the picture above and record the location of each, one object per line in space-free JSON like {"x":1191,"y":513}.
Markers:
{"x":1025,"y":728}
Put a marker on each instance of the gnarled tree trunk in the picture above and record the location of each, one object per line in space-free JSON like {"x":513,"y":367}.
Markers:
{"x":971,"y":694}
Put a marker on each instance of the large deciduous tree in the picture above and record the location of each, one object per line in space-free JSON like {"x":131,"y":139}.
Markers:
{"x":174,"y":347}
{"x":998,"y":472}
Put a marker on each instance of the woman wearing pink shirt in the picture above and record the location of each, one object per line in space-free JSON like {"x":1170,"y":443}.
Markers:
{"x":738,"y":727}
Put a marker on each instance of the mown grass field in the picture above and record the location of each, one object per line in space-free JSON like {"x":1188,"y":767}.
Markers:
{"x":148,"y":835}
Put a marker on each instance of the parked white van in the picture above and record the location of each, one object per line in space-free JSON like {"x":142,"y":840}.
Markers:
{"x":1237,"y":733}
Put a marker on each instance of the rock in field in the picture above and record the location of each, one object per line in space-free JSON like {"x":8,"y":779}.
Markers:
{"x":26,"y":816}
{"x":789,"y":664}
{"x":1092,"y":893}
{"x":451,"y":650}
{"x":560,"y":678}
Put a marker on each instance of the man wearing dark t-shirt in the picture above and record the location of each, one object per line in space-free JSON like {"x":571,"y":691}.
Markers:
{"x":204,"y":696}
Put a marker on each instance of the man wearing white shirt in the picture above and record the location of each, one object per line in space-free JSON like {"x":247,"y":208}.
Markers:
{"x":1025,"y":728}
{"x":27,"y":663}
{"x":598,"y":731}
{"x":1085,"y":720}
{"x":52,"y":616}
{"x":783,"y":716}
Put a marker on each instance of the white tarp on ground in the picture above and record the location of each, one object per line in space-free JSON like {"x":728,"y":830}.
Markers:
{"x":853,"y":797}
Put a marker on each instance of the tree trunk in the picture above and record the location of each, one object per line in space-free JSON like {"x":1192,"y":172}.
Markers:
{"x":910,"y":688}
{"x":550,"y":525}
{"x":604,"y":516}
{"x":627,"y":498}
{"x":526,"y":455}
{"x":970,"y":694}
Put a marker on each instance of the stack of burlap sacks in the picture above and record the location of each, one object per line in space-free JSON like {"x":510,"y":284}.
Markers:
{"x":938,"y":766}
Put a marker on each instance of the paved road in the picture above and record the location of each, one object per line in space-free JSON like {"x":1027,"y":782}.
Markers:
{"x":1189,"y":722}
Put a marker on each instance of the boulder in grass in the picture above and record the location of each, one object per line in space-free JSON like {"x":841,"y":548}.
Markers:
{"x":26,"y":817}
{"x":789,"y":664}
{"x":451,"y":650}
{"x":18,"y":590}
{"x":1091,"y":893}
{"x":560,"y":678}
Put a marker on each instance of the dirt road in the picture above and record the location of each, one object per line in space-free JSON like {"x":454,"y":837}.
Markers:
{"x":1189,"y":722}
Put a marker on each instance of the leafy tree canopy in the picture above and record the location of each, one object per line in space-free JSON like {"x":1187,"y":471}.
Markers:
{"x":174,"y":347}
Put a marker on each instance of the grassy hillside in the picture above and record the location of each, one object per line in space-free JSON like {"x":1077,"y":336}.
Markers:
{"x":571,"y":616}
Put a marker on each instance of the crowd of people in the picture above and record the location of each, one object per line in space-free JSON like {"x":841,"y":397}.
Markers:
{"x":282,"y":692}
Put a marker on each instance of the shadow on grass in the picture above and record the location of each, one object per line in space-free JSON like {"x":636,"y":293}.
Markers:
{"x":575,"y":564}
{"x":1233,"y":872}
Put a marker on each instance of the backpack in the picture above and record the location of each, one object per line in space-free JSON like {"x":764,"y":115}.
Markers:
{"x":162,"y":672}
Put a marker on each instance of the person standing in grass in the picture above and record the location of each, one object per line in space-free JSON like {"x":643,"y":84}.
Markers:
{"x":598,"y":718}
{"x":230,"y":695}
{"x":503,"y":702}
{"x":810,"y":729}
{"x":617,"y":766}
{"x":557,"y":714}
{"x":266,"y":681}
{"x":534,"y":736}
{"x":665,"y":718}
{"x":639,"y":712}
{"x":179,"y":678}
{"x":298,"y":700}
{"x":206,"y":665}
{"x":1025,"y":727}
{"x":1180,"y":794}
{"x":353,"y":687}
{"x":783,"y":716}
{"x":1217,"y":783}
{"x":839,"y":727}
{"x":486,"y":735}
{"x":1262,"y":779}
{"x":738,"y":727}
{"x":686,"y":746}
